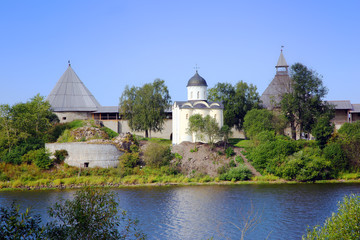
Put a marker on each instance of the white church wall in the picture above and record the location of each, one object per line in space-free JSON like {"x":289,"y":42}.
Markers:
{"x":196,"y":93}
{"x":184,"y":124}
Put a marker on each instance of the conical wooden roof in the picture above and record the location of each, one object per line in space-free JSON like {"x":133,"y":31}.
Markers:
{"x":281,"y":61}
{"x":71,"y":95}
{"x":280,"y":85}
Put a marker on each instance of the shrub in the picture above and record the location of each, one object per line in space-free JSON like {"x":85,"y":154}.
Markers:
{"x":60,"y":155}
{"x":222,"y":169}
{"x":232,"y":163}
{"x":350,"y":129}
{"x":14,"y":156}
{"x":156,"y":155}
{"x":322,"y":131}
{"x":270,"y":153}
{"x":17,"y":225}
{"x":29,"y":157}
{"x":334,"y":153}
{"x":92,"y":214}
{"x":258,"y":120}
{"x":305,"y":165}
{"x":265,"y":136}
{"x":344,"y":224}
{"x":239,"y":173}
{"x":42,"y":159}
{"x":239,"y":159}
{"x":195,"y":149}
{"x":229,"y":152}
{"x":127,"y":162}
{"x":3,"y":177}
{"x":178,"y":156}
{"x":134,"y":148}
{"x":55,"y":132}
{"x":66,"y":137}
{"x":349,"y":138}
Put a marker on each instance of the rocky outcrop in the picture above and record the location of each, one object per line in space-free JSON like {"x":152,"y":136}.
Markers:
{"x":123,"y":142}
{"x":87,"y":133}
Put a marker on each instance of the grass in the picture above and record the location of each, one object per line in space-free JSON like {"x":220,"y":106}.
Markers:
{"x":76,"y":124}
{"x":349,"y":176}
{"x":266,"y":178}
{"x":242,"y":143}
{"x":161,"y":141}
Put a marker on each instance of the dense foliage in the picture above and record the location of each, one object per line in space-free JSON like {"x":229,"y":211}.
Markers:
{"x":323,"y":130}
{"x":304,"y":103}
{"x":19,"y":225}
{"x":92,"y":214}
{"x":258,"y":120}
{"x":292,"y":160}
{"x":344,"y":224}
{"x":204,"y":128}
{"x":348,"y":138}
{"x":237,"y":100}
{"x":239,"y":173}
{"x":25,"y":127}
{"x":157,"y":155}
{"x":144,"y":107}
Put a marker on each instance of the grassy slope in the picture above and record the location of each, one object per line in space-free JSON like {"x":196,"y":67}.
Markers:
{"x":29,"y":176}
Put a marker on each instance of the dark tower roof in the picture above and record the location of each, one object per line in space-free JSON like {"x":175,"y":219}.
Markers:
{"x":70,"y":94}
{"x":280,"y":85}
{"x":197,"y":80}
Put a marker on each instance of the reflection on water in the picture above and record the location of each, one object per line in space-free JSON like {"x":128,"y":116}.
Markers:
{"x":200,"y":212}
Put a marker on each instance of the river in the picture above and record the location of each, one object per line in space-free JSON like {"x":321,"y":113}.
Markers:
{"x":202,"y":212}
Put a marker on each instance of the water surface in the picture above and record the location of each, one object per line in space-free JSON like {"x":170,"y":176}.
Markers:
{"x":201,"y":212}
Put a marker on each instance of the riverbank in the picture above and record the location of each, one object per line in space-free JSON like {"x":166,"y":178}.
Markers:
{"x":79,"y":182}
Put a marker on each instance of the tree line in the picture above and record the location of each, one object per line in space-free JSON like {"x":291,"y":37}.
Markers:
{"x":301,"y":107}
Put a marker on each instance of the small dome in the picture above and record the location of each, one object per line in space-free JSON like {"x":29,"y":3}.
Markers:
{"x":197,"y":80}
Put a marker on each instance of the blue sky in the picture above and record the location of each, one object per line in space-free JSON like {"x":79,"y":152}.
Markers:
{"x":116,"y":43}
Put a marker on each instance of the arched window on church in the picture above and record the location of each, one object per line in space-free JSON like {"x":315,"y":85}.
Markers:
{"x":198,"y":95}
{"x":187,"y":116}
{"x":191,"y":95}
{"x":215,"y":116}
{"x":205,"y":95}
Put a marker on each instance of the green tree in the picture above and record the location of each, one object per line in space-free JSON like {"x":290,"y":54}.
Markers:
{"x":349,"y":139}
{"x":322,"y":131}
{"x":196,"y":127}
{"x":237,"y":100}
{"x":344,"y":224}
{"x":157,"y":155}
{"x":258,"y":120}
{"x":204,"y":128}
{"x":9,"y":135}
{"x":211,"y":129}
{"x":225,"y":133}
{"x":92,"y":214}
{"x":17,"y":225}
{"x":145,"y":107}
{"x":33,"y":117}
{"x":304,"y":104}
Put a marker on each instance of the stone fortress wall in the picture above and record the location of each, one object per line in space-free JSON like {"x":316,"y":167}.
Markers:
{"x":88,"y":155}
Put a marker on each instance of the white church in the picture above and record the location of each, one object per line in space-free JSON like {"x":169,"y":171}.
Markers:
{"x":196,"y":104}
{"x":70,"y":100}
